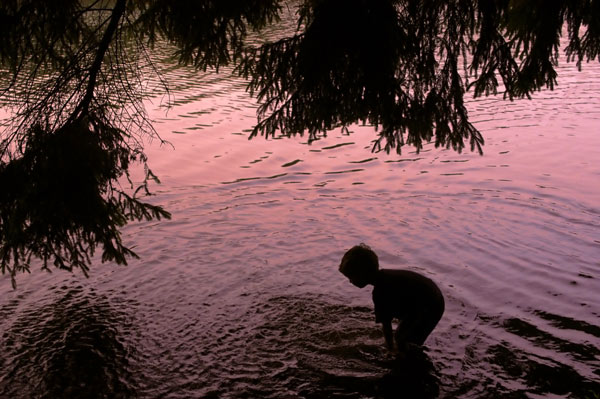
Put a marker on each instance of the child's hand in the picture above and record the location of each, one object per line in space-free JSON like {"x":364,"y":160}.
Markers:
{"x":391,"y":347}
{"x":387,"y":334}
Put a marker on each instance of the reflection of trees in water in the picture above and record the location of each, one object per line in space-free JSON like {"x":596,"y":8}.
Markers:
{"x":68,"y":348}
{"x":526,"y":361}
{"x":541,"y":376}
{"x":544,"y":376}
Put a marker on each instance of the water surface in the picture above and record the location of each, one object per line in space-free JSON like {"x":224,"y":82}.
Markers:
{"x":238,"y":296}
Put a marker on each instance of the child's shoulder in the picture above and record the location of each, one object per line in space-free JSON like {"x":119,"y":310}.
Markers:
{"x":409,"y":282}
{"x":401,"y":273}
{"x":402,"y":276}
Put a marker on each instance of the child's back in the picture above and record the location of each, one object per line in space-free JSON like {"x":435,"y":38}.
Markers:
{"x":410,"y":297}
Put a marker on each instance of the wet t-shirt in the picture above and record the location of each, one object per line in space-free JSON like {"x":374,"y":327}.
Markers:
{"x":403,"y":294}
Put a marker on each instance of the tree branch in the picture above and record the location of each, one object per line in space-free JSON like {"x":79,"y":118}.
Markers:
{"x":117,"y":13}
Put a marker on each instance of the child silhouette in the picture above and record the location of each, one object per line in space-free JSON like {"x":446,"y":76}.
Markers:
{"x":411,"y":298}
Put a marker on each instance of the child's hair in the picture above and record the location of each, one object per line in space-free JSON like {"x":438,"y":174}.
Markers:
{"x":359,"y":258}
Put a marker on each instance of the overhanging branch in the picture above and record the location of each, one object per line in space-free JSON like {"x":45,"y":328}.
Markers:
{"x":117,"y":13}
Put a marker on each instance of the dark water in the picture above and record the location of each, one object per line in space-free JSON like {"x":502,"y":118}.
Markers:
{"x":238,"y":296}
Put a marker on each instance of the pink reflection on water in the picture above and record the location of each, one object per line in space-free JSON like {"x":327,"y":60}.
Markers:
{"x":259,"y":228}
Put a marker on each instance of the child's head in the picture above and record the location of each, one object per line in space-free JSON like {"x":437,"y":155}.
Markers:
{"x":360,"y":264}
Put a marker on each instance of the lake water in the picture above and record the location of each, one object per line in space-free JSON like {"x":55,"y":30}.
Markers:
{"x":238,"y":296}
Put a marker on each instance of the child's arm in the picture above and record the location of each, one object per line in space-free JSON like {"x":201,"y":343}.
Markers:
{"x":388,"y":335}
